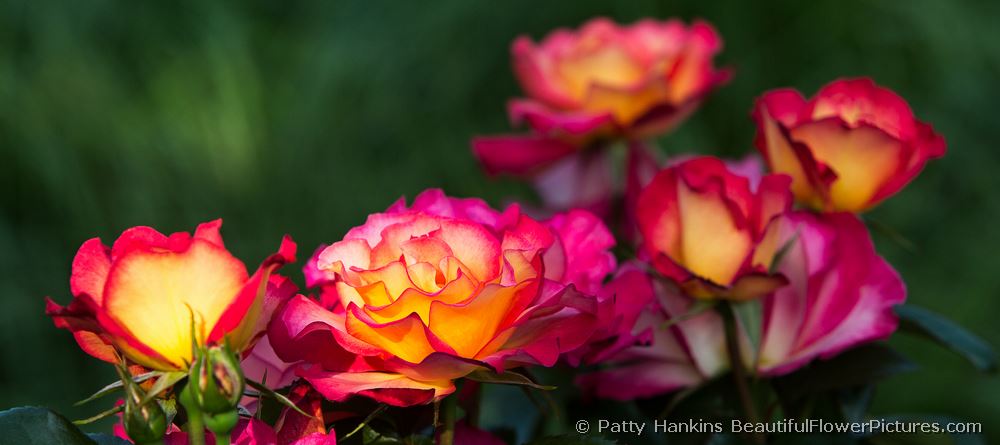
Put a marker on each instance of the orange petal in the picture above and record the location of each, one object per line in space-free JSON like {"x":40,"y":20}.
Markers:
{"x":405,"y":338}
{"x":393,"y":276}
{"x":412,"y":301}
{"x":469,"y":327}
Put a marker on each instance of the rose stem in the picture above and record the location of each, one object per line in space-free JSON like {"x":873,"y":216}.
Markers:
{"x":195,"y":424}
{"x":448,"y":407}
{"x":736,"y":363}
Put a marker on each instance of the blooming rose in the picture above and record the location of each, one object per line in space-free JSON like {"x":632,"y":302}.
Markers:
{"x":603,"y":81}
{"x":848,"y":148}
{"x":419,"y":296}
{"x":138,"y":297}
{"x":702,"y":226}
{"x":840,"y":294}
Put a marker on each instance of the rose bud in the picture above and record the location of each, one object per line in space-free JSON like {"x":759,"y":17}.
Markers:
{"x":144,"y":422}
{"x":217,"y":379}
{"x":702,"y":227}
{"x":848,"y":148}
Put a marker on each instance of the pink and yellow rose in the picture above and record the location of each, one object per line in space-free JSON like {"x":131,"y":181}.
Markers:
{"x":840,"y":294}
{"x":848,"y":148}
{"x":603,"y":80}
{"x":703,"y":227}
{"x":138,"y":297}
{"x":422,"y":295}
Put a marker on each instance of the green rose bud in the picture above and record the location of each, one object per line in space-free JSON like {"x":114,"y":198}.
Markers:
{"x":217,"y":380}
{"x":144,"y":423}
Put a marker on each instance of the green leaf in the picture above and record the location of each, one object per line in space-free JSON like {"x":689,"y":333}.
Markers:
{"x":364,"y":423}
{"x":749,"y":314}
{"x":856,"y":367}
{"x":854,"y":402}
{"x":947,"y":333}
{"x":116,"y":385}
{"x":507,"y":378}
{"x":163,"y":383}
{"x":106,"y":413}
{"x":371,"y":436}
{"x":572,"y":439}
{"x":39,"y":426}
{"x":782,"y":251}
{"x":696,"y":309}
{"x":276,"y":396}
{"x":107,"y":439}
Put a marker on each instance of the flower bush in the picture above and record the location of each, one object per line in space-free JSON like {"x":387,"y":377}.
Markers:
{"x":750,"y":292}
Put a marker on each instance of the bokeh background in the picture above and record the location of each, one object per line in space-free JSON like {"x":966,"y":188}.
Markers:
{"x":302,"y":118}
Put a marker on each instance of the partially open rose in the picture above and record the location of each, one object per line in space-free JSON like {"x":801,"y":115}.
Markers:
{"x":840,"y":294}
{"x":848,"y":148}
{"x":703,"y":227}
{"x":140,"y":295}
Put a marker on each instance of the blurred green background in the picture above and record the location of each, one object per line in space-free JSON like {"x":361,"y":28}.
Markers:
{"x":302,"y":118}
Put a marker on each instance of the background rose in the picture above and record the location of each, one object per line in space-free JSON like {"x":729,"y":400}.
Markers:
{"x":840,"y":294}
{"x":662,"y":358}
{"x":603,"y":81}
{"x":848,"y":148}
{"x":139,"y":296}
{"x":702,"y":226}
{"x":419,"y":296}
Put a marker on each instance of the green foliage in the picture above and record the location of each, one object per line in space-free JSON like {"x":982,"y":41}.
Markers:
{"x":40,"y":426}
{"x":860,"y":366}
{"x":948,"y":334}
{"x":507,"y":378}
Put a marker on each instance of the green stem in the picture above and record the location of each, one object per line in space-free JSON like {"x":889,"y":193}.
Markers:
{"x":196,"y":424}
{"x":449,"y":408}
{"x":472,"y":417}
{"x":222,"y":439}
{"x":739,"y":373}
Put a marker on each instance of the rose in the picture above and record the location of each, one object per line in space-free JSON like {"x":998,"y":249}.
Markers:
{"x":703,"y":226}
{"x":848,"y":148}
{"x":840,"y":294}
{"x":139,"y":296}
{"x":671,"y":348}
{"x":419,"y":296}
{"x":603,"y":81}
